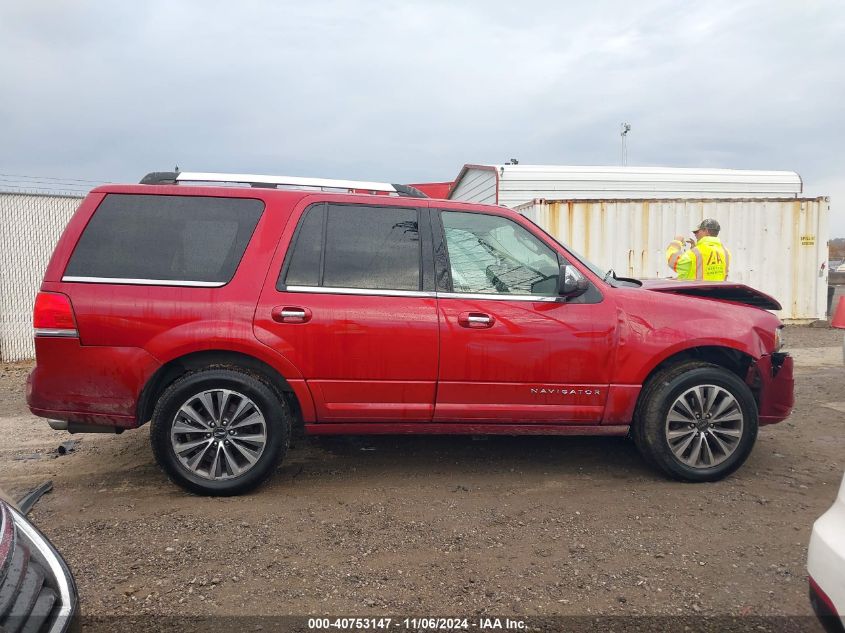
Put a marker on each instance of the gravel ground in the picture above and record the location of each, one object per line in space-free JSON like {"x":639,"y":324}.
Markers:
{"x":443,"y":525}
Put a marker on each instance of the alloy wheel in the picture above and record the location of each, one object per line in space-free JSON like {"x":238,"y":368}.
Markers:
{"x":218,"y":434}
{"x":704,"y":426}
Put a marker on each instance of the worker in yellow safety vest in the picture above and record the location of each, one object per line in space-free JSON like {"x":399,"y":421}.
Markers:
{"x":707,"y":259}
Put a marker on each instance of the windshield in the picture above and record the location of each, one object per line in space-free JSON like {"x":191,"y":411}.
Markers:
{"x":596,"y":270}
{"x":605,"y":274}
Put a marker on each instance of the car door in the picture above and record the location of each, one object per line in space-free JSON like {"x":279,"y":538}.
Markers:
{"x":511,"y":349}
{"x":354,"y":310}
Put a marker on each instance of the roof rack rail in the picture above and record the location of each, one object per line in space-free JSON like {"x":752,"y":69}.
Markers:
{"x":254,"y":180}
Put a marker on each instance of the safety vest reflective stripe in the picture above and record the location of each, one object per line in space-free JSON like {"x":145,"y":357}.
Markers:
{"x":699,"y":264}
{"x":673,"y":261}
{"x":675,"y":256}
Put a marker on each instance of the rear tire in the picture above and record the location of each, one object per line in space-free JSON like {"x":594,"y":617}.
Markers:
{"x":219,"y":431}
{"x":696,"y":422}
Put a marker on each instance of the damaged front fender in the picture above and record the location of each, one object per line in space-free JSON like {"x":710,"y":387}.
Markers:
{"x":770,"y":378}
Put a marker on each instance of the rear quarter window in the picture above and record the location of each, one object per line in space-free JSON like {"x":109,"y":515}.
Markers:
{"x":165,"y":239}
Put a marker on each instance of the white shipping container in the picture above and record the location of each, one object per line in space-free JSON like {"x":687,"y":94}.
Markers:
{"x":777,"y":245}
{"x":513,"y":185}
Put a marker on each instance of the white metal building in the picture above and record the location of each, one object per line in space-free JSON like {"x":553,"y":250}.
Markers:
{"x":512,"y":185}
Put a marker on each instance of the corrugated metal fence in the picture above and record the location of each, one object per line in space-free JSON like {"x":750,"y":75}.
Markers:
{"x":30,"y":226}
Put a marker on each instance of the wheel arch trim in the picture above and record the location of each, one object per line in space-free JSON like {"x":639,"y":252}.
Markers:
{"x":734,"y":359}
{"x":294,"y":390}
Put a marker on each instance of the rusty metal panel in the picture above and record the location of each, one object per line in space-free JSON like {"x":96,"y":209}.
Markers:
{"x":777,"y":245}
{"x":30,"y":224}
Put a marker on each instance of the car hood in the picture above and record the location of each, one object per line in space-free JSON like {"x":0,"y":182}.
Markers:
{"x":721,"y":290}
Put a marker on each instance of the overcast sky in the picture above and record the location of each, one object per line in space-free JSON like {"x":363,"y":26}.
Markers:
{"x":410,"y":91}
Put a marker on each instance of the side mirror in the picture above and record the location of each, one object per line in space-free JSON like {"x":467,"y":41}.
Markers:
{"x":571,"y":283}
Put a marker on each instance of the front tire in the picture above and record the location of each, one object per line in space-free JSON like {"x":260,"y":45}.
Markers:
{"x":219,"y":431}
{"x":696,"y":422}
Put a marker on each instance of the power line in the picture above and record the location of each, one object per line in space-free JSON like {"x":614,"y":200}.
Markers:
{"x":103,"y":182}
{"x":47,"y":183}
{"x":43,"y":189}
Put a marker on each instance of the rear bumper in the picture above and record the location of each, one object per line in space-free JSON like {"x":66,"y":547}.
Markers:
{"x":772,"y":377}
{"x":87,"y":384}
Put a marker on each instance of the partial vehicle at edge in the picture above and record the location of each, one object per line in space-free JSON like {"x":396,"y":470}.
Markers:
{"x":37,"y":590}
{"x":826,"y":565}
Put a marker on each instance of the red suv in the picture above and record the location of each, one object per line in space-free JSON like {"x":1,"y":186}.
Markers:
{"x":228,"y":314}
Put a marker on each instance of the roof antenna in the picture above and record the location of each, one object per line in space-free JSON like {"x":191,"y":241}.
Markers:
{"x":513,"y":161}
{"x":176,"y":169}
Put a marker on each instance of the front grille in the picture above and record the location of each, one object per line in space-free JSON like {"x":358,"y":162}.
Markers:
{"x":37,"y":592}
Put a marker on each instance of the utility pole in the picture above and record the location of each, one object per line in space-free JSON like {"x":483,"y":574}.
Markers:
{"x":626,"y":127}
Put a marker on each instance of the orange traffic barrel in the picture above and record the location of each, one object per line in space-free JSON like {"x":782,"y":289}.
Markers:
{"x":839,"y":315}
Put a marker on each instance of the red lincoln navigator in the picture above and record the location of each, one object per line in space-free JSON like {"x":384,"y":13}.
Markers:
{"x":227,"y":314}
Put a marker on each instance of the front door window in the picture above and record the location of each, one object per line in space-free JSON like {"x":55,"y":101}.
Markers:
{"x":494,"y":255}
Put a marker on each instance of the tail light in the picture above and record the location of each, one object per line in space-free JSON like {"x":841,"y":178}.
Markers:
{"x":53,"y":315}
{"x":825,"y":609}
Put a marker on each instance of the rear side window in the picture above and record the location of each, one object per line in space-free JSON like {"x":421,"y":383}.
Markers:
{"x":304,"y":267}
{"x":351,"y":246}
{"x":165,"y":238}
